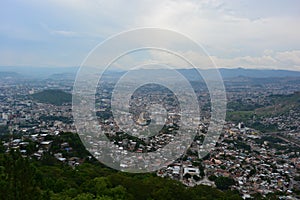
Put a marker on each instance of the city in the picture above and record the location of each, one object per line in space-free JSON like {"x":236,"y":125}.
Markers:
{"x":149,"y":100}
{"x":258,"y":158}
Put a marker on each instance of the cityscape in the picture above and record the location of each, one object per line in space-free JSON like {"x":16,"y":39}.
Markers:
{"x":149,"y":100}
{"x":257,"y":152}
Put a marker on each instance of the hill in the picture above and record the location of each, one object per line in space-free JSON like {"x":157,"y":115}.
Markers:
{"x":8,"y":75}
{"x":48,"y":178}
{"x":191,"y":74}
{"x":55,"y":97}
{"x":257,"y":73}
{"x":280,"y":104}
{"x":38,"y":72}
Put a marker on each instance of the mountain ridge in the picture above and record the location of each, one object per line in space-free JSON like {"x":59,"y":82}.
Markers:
{"x":51,"y":72}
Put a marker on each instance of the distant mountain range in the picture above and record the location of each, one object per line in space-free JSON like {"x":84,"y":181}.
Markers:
{"x":70,"y":72}
{"x":257,"y":73}
{"x":241,"y":72}
{"x":39,"y":72}
{"x":9,"y":75}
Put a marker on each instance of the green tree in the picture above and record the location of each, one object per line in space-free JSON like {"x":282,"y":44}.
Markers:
{"x":84,"y":196}
{"x":18,"y":177}
{"x":187,"y":176}
{"x":223,"y":183}
{"x":196,"y":178}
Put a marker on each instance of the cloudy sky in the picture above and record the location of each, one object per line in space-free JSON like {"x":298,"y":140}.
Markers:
{"x":250,"y":34}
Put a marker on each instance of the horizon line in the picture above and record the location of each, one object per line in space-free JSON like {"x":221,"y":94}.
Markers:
{"x":232,"y":68}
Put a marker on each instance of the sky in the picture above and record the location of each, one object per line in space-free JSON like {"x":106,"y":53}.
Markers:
{"x":235,"y":33}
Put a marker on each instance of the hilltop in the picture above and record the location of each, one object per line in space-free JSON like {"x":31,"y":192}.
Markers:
{"x":55,"y":97}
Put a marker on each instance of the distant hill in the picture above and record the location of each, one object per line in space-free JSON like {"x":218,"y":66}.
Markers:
{"x":38,"y":72}
{"x":63,"y":76}
{"x":191,"y":74}
{"x":8,"y":75}
{"x":257,"y":73}
{"x":230,"y":74}
{"x":55,"y":97}
{"x":281,"y":104}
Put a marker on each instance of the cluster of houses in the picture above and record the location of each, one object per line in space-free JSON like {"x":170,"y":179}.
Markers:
{"x":255,"y":165}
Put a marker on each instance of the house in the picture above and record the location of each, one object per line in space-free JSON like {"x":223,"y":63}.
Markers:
{"x":191,"y":170}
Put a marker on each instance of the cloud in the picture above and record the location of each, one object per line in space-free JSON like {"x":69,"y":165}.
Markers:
{"x":269,"y":60}
{"x":64,"y":33}
{"x":235,"y":33}
{"x":289,"y":57}
{"x":289,"y":60}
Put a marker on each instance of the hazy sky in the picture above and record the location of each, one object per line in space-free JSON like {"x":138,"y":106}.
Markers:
{"x":252,"y":34}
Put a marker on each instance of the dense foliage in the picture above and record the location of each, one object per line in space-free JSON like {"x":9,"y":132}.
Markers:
{"x":55,"y":97}
{"x":22,"y":178}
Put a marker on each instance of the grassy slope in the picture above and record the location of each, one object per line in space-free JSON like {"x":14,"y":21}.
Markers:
{"x":280,"y":104}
